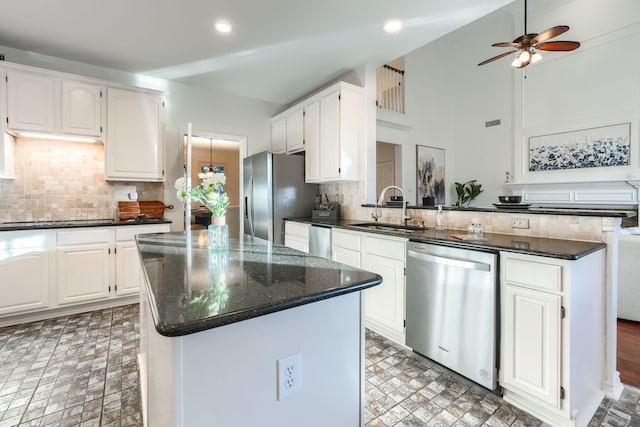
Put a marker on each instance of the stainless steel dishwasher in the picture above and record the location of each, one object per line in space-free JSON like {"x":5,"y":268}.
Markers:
{"x":452,"y":303}
{"x":320,"y":241}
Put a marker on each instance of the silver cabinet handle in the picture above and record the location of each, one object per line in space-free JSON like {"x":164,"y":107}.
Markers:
{"x":454,"y":262}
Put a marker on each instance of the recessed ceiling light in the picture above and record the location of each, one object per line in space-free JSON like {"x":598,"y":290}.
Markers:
{"x":223,"y":27}
{"x":392,"y":26}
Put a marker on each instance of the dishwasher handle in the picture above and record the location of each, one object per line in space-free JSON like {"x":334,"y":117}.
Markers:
{"x":453,"y":262}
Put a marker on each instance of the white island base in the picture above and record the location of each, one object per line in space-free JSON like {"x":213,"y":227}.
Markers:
{"x":227,"y":376}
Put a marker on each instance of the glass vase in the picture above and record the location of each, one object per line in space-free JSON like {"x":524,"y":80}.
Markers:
{"x":218,"y":234}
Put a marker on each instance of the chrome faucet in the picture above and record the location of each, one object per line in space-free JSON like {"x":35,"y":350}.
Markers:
{"x":375,"y":215}
{"x":404,"y":217}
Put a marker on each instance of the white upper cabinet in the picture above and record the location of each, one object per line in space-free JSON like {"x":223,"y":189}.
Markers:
{"x":329,"y":127}
{"x":30,"y":101}
{"x":312,"y":141}
{"x":287,"y":132}
{"x":46,"y":102}
{"x":295,"y":131}
{"x":135,"y":134}
{"x":341,"y":133}
{"x":81,"y":108}
{"x":279,"y":136}
{"x":329,"y":158}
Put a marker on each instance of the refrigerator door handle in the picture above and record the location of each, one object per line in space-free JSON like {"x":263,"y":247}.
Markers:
{"x":249,"y":207}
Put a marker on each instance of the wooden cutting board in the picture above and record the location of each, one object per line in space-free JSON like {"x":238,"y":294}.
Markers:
{"x":128,"y":210}
{"x":153,"y":209}
{"x":149,"y":209}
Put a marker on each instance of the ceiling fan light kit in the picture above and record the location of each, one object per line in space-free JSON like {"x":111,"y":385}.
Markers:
{"x":526,"y":45}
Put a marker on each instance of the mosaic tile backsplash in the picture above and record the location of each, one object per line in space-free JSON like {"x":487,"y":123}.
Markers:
{"x":61,"y":180}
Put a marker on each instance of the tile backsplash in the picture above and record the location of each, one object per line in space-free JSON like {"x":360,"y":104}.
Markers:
{"x":571,"y":227}
{"x":61,"y":180}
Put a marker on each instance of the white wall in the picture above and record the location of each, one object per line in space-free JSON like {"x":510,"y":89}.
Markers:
{"x":449,"y":98}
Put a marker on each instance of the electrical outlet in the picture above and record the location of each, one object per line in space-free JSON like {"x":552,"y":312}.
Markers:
{"x":289,"y":375}
{"x":519,"y":223}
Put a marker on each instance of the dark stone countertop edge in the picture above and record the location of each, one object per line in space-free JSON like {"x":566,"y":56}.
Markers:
{"x":177,"y":330}
{"x":596,"y":246}
{"x":537,"y":210}
{"x":587,"y":247}
{"x":80,"y":223}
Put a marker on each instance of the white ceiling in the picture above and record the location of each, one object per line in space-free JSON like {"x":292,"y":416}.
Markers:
{"x":279,"y":50}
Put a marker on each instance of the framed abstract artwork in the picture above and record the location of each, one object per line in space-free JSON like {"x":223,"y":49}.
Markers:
{"x":430,"y":188}
{"x":586,"y":148}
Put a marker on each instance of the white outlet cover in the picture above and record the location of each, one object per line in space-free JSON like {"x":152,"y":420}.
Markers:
{"x":289,"y":375}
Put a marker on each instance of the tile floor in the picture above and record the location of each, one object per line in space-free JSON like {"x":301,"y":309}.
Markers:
{"x":81,"y":370}
{"x":406,"y":389}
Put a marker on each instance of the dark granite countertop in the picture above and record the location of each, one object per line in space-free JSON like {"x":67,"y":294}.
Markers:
{"x":553,"y":248}
{"x":74,"y":223}
{"x":191,"y":289}
{"x":538,"y":210}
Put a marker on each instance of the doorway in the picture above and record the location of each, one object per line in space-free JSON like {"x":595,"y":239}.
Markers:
{"x":218,"y":153}
{"x":388,"y":170}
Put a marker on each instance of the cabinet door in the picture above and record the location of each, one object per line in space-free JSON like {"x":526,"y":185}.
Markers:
{"x":531,"y":353}
{"x":312,"y":142}
{"x":25,"y":282}
{"x":295,"y":131}
{"x":135,"y":132}
{"x":81,"y":108}
{"x":384,"y":304}
{"x":30,"y":101}
{"x":128,"y":269}
{"x":279,"y":136}
{"x":83,"y":273}
{"x":330,"y":136}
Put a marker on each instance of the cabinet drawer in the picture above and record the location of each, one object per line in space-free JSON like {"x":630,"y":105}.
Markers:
{"x":345,"y":239}
{"x":534,"y":274}
{"x":297,"y":229}
{"x":82,"y":237}
{"x":387,"y":247}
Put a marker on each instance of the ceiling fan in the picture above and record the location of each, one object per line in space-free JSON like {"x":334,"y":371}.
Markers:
{"x":527,"y":44}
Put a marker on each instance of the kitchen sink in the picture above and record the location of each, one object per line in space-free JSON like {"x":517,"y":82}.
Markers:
{"x":393,"y":228}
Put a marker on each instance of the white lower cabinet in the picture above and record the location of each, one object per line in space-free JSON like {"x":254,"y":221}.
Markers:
{"x":24,"y":269}
{"x":384,"y":304}
{"x":83,"y":265}
{"x":59,"y":271}
{"x":532,"y":357}
{"x":129,"y":276}
{"x":383,"y":255}
{"x":551,"y":336}
{"x":296,"y":235}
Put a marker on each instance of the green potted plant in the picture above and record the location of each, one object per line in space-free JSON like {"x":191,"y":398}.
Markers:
{"x":467,"y":192}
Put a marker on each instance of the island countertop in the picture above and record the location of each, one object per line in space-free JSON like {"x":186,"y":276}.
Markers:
{"x":191,"y":289}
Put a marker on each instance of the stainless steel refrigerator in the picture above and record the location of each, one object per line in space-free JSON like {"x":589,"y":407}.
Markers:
{"x":274,"y":189}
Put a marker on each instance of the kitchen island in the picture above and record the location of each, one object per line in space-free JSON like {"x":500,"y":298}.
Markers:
{"x":215,"y":326}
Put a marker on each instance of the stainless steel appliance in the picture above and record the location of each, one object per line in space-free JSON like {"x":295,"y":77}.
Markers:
{"x":274,"y":189}
{"x":320,"y":241}
{"x":452,"y":309}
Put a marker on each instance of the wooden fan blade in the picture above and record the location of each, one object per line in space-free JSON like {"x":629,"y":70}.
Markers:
{"x":550,"y":33}
{"x":502,"y":55}
{"x":507,"y":44}
{"x":559,"y":46}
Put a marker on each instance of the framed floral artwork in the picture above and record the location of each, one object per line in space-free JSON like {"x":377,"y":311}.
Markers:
{"x":586,"y":148}
{"x":430,"y":188}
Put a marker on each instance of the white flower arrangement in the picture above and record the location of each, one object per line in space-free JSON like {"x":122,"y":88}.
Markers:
{"x":210,"y":193}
